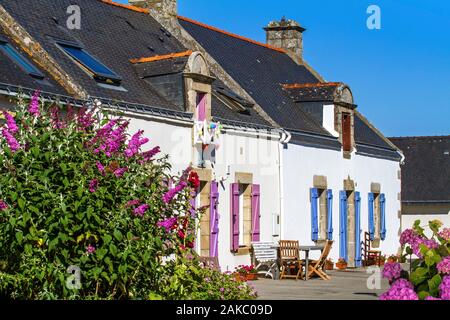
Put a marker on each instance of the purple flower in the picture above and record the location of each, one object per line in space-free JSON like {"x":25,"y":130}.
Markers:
{"x":169,"y":195}
{"x":10,"y":122}
{"x":148,"y":155}
{"x":445,"y":288}
{"x":167,"y":224}
{"x":445,"y":234}
{"x":135,"y":143}
{"x":392,"y":270}
{"x":132,"y":203}
{"x":100,"y":167}
{"x":3,"y":205}
{"x":140,"y":211}
{"x":34,"y":104}
{"x":108,"y":140}
{"x":93,"y":185}
{"x":90,"y":249}
{"x":222,"y":289}
{"x":401,"y":289}
{"x":120,"y":172}
{"x":85,"y":119}
{"x":10,"y":140}
{"x":432,"y":298}
{"x":444,"y":265}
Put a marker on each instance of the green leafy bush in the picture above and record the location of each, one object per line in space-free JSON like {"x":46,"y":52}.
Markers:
{"x":76,"y":190}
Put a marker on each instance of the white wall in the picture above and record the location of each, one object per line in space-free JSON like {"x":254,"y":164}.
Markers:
{"x":302,"y":163}
{"x":238,"y":152}
{"x":409,"y":219}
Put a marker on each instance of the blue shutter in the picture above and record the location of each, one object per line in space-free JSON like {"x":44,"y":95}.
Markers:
{"x":383,"y":216}
{"x":330,"y":214}
{"x":371,"y":217}
{"x":343,"y":225}
{"x":358,"y":229}
{"x":314,"y":220}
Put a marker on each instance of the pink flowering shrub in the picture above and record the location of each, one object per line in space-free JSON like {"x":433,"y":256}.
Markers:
{"x":77,"y":190}
{"x":429,"y":277}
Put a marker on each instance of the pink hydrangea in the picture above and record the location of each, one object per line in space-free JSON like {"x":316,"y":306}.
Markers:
{"x":34,"y":104}
{"x":392,"y":270}
{"x":407,"y":236}
{"x":10,"y":122}
{"x":444,"y":265}
{"x":10,"y":140}
{"x":3,"y":205}
{"x":140,"y":211}
{"x":169,"y":195}
{"x":445,"y":234}
{"x":445,"y":288}
{"x":401,"y":289}
{"x":167,"y":224}
{"x":93,"y":185}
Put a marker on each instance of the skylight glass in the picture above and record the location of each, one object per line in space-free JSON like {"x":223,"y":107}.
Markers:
{"x":99,"y":71}
{"x":20,"y":60}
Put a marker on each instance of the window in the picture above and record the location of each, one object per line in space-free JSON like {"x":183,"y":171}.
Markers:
{"x":321,"y":214}
{"x":91,"y":65}
{"x":346,"y":132}
{"x":20,"y":60}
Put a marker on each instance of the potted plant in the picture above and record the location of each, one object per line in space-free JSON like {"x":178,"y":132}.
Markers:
{"x":246,"y":272}
{"x":392,"y":258}
{"x":341,"y":264}
{"x":329,"y":265}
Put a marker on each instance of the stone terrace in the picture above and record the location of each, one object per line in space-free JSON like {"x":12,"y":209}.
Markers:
{"x":344,"y":285}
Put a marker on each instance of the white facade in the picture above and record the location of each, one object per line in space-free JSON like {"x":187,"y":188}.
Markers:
{"x":409,"y":219}
{"x":302,"y":163}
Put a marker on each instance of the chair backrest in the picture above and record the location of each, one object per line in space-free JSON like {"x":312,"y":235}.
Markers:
{"x":289,"y":249}
{"x":366,"y":246}
{"x":325,"y":252}
{"x":264,"y":251}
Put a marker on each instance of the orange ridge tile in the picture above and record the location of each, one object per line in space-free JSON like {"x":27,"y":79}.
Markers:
{"x":310,"y":85}
{"x":126,"y":6}
{"x":162,"y":57}
{"x":231,"y":34}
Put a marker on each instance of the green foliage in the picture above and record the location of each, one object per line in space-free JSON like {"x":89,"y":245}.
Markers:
{"x":54,"y":220}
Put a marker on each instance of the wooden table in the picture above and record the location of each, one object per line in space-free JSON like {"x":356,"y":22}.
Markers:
{"x":307,"y":249}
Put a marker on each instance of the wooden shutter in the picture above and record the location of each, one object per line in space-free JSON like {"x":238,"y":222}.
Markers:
{"x":371,"y":198}
{"x":234,"y":217}
{"x":214,"y":219}
{"x":256,"y":214}
{"x":358,"y":229}
{"x":201,"y":106}
{"x":314,"y":219}
{"x":330,"y":214}
{"x":343,"y":225}
{"x":383,"y":216}
{"x":346,"y":132}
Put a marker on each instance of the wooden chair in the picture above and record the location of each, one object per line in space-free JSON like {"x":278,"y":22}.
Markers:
{"x":317,"y":266}
{"x":371,"y":257}
{"x":290,"y":259}
{"x":265,"y":254}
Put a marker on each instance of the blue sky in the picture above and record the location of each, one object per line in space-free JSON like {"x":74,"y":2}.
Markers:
{"x":399,"y":75}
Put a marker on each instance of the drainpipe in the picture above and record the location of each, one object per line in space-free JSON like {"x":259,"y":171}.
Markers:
{"x":285,"y":137}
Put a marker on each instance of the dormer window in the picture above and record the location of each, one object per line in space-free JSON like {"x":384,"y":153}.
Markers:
{"x":20,"y":60}
{"x":90,"y":65}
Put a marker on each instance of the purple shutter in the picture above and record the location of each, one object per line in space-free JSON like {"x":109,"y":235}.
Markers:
{"x":214,"y":219}
{"x":201,"y":106}
{"x":234,"y":217}
{"x":256,"y":212}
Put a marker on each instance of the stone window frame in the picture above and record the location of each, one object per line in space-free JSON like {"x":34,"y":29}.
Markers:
{"x":375,"y":188}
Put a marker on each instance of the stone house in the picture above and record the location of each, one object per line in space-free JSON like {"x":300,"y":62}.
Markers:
{"x":425,"y":179}
{"x":282,"y":153}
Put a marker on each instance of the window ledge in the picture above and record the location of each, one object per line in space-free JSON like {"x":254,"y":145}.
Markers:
{"x":242,"y":251}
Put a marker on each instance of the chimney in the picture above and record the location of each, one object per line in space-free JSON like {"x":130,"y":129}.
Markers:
{"x":287,"y":35}
{"x":165,"y":11}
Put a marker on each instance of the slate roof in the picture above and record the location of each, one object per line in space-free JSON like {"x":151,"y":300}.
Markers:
{"x":115,"y":36}
{"x":268,"y":76}
{"x":426,"y":171}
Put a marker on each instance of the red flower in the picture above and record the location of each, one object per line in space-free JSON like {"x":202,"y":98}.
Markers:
{"x":194,"y":180}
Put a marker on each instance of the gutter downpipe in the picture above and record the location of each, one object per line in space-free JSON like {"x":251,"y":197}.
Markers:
{"x":285,"y":137}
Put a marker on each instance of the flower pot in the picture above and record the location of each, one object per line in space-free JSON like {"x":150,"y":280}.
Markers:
{"x":239,"y":277}
{"x":329,"y":266}
{"x":341,"y":266}
{"x":251,"y":276}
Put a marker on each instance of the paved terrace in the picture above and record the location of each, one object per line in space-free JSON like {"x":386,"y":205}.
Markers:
{"x":344,"y":285}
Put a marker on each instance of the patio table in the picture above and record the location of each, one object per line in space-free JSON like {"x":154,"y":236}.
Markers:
{"x":307,"y":249}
